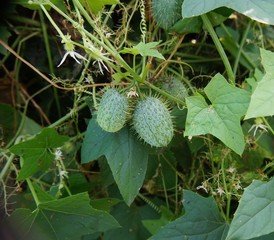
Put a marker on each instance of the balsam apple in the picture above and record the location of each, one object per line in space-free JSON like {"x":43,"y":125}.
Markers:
{"x":153,"y":122}
{"x":112,"y":111}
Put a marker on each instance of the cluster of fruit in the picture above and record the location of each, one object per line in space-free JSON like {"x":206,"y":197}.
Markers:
{"x":150,"y":118}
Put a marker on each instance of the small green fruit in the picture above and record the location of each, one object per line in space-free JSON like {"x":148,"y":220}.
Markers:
{"x":167,"y":12}
{"x":175,"y":88}
{"x":153,"y":122}
{"x":112,"y":111}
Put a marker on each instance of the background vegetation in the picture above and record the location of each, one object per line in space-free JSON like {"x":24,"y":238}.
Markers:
{"x":64,"y":177}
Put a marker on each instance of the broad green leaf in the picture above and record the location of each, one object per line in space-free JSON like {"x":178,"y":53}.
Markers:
{"x":153,"y":225}
{"x":265,"y":237}
{"x":126,"y":156}
{"x":104,"y":204}
{"x":67,"y":218}
{"x":254,"y":215}
{"x":97,"y":5}
{"x":37,"y":153}
{"x":188,"y":25}
{"x":201,"y":221}
{"x":253,"y":81}
{"x":222,"y":117}
{"x":259,"y":10}
{"x":130,"y":219}
{"x":195,"y":24}
{"x":144,"y":49}
{"x":42,"y":195}
{"x":267,"y":61}
{"x":262,"y":99}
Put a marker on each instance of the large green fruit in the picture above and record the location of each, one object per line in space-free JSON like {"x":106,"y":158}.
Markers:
{"x":167,"y":12}
{"x":176,"y":88}
{"x":153,"y":122}
{"x":112,"y":111}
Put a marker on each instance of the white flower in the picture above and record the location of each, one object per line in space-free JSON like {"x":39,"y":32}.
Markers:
{"x":69,"y":47}
{"x":258,"y":125}
{"x":58,"y":154}
{"x":220,"y":190}
{"x":74,"y":55}
{"x":63,"y":174}
{"x":231,"y":170}
{"x":132,"y":93}
{"x":97,"y":55}
{"x":204,"y":186}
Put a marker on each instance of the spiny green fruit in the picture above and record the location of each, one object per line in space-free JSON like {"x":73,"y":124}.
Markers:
{"x":175,"y":88}
{"x":112,"y":111}
{"x":153,"y":122}
{"x":166,"y":12}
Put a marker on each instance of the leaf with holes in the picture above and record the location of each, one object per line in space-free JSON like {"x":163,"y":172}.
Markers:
{"x":222,"y":117}
{"x":37,"y":153}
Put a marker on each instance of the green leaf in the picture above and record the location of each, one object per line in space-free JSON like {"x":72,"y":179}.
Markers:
{"x":126,"y":156}
{"x":130,"y":219}
{"x":259,"y":10}
{"x":34,"y":5}
{"x":97,"y":5}
{"x":67,"y":218}
{"x":262,"y":99}
{"x":144,"y":49}
{"x":188,"y":25}
{"x":153,"y":225}
{"x":222,"y":117}
{"x":37,"y":153}
{"x":254,"y":215}
{"x":104,"y":204}
{"x":201,"y":221}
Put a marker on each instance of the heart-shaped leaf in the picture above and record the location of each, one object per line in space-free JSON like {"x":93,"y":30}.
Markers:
{"x":126,"y":156}
{"x":37,"y":153}
{"x":67,"y":218}
{"x":222,"y":117}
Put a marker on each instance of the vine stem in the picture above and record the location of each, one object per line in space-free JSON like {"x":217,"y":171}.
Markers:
{"x":241,"y":47}
{"x":268,"y":125}
{"x":228,"y":194}
{"x":219,"y":47}
{"x":7,"y":166}
{"x":33,"y":193}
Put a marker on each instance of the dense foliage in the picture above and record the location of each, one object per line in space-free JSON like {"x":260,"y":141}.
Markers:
{"x":141,"y":119}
